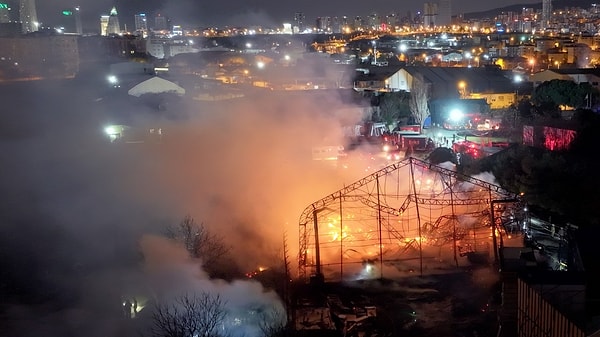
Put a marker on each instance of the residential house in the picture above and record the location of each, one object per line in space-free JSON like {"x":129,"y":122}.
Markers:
{"x":578,"y":54}
{"x":381,"y":79}
{"x":513,"y":62}
{"x":581,"y":75}
{"x":557,"y":57}
{"x":593,"y":41}
{"x":491,"y":84}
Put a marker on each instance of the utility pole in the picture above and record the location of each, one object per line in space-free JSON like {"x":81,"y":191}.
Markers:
{"x":374,"y":52}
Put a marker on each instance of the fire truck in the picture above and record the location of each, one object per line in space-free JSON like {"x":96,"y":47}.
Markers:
{"x":469,"y":148}
{"x":366,"y":133}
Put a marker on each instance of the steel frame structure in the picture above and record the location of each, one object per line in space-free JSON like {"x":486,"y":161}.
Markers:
{"x":374,"y":212}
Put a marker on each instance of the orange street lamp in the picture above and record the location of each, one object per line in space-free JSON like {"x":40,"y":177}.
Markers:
{"x":462,"y":85}
{"x":532,"y":64}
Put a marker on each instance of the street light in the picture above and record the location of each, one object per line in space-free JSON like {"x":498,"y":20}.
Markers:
{"x":113,"y":80}
{"x":455,"y":115}
{"x":532,"y":64}
{"x":374,"y":51}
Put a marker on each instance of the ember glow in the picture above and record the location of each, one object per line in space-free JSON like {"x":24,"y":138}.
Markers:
{"x":403,"y":213}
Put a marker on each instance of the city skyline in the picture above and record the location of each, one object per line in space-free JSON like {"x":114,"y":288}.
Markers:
{"x":188,"y":12}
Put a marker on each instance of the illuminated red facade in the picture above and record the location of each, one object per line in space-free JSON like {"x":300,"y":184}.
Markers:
{"x":550,"y":138}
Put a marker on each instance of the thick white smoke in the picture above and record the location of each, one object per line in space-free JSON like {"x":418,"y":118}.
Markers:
{"x":171,"y":273}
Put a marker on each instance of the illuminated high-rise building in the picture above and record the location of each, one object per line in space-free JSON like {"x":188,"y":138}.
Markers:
{"x":359,"y":23}
{"x":141,"y":24}
{"x":71,"y":21}
{"x":5,"y":12}
{"x":10,"y":24}
{"x":444,"y":14}
{"x":113,"y":26}
{"x":160,"y":22}
{"x":28,"y":16}
{"x":391,"y":20}
{"x":77,"y":15}
{"x":323,"y":24}
{"x":429,"y":14}
{"x":104,"y":25}
{"x":374,"y":21}
{"x":336,"y":25}
{"x":299,"y":21}
{"x":546,"y":13}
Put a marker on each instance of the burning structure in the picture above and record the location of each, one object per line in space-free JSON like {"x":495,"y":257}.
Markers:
{"x":409,"y":216}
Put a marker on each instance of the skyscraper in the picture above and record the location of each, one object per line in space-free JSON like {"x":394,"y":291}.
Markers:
{"x":71,"y":21}
{"x":299,"y":19}
{"x":141,"y":24}
{"x":78,"y":26}
{"x":160,"y":22}
{"x":113,"y":26}
{"x":323,"y":24}
{"x":5,"y":13}
{"x":28,"y":16}
{"x":104,"y":25}
{"x":10,"y":24}
{"x":429,"y":14}
{"x":444,"y":17}
{"x":374,"y":21}
{"x":546,"y":13}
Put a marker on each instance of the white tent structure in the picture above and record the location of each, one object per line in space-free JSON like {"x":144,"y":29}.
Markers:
{"x":156,"y":85}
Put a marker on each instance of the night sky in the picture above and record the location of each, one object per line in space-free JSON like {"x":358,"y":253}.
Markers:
{"x":245,"y":12}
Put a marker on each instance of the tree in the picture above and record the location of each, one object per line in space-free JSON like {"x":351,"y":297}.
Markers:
{"x":394,"y":105}
{"x":550,"y":95}
{"x":524,"y":108}
{"x":272,"y":323}
{"x":419,"y":99}
{"x":189,"y":315}
{"x":200,"y":242}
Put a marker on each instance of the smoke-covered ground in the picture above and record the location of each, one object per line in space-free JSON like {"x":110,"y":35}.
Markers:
{"x":76,"y":206}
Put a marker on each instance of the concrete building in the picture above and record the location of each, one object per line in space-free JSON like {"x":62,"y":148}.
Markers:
{"x":585,"y":75}
{"x":28,"y":16}
{"x":104,"y":25}
{"x":323,"y":24}
{"x":541,"y":301}
{"x":97,"y":49}
{"x":163,"y":48}
{"x":546,"y":14}
{"x":10,"y":24}
{"x":71,"y":21}
{"x":40,"y":57}
{"x":444,"y":17}
{"x":429,"y":14}
{"x":141,"y":24}
{"x":160,"y":22}
{"x":5,"y":12}
{"x":299,"y":22}
{"x":78,"y":25}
